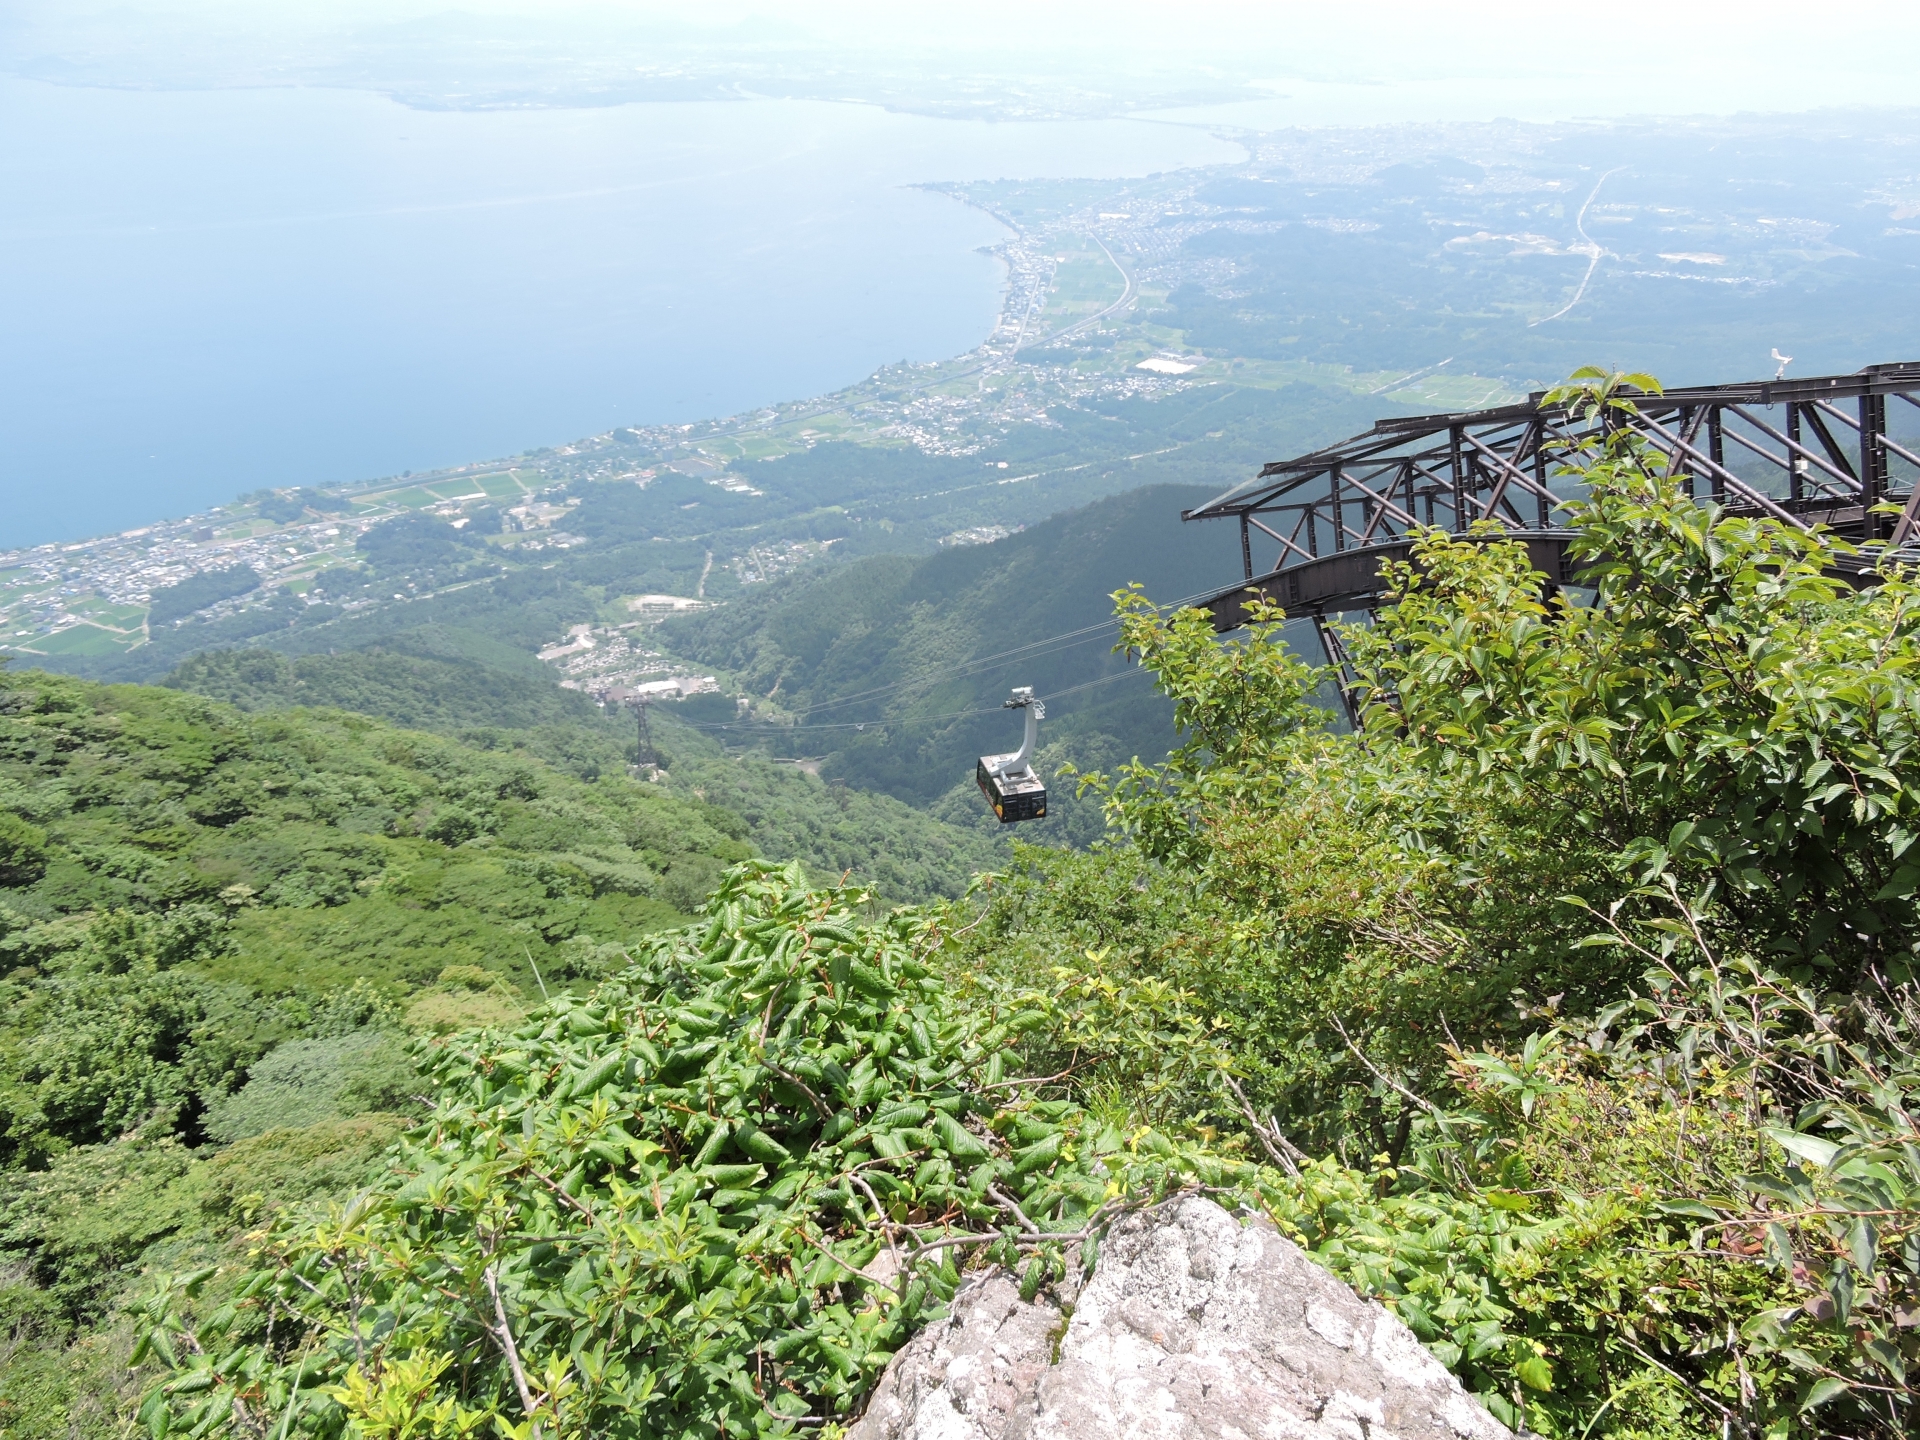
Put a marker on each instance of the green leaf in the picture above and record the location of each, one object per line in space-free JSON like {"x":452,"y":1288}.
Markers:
{"x":1697,"y":1209}
{"x":1800,"y":1360}
{"x":1823,"y":1391}
{"x":1037,"y":1155}
{"x":957,"y":1140}
{"x":156,"y":1415}
{"x":1534,"y":1373}
{"x":1805,"y":1147}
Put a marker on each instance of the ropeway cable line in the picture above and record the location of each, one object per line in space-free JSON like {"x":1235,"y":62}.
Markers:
{"x":1013,"y":788}
{"x":762,"y":728}
{"x":1032,"y":650}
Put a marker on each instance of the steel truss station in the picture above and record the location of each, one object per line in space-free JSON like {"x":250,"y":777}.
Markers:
{"x":1818,"y":451}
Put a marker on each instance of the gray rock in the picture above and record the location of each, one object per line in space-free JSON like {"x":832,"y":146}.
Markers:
{"x":1193,"y":1327}
{"x":964,"y":1377}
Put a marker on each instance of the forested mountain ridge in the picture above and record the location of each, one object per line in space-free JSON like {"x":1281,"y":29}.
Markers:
{"x":1568,"y":1007}
{"x":217,"y":924}
{"x":915,"y":629}
{"x":427,"y":679}
{"x":214,"y":926}
{"x":919,"y":652}
{"x":295,"y":854}
{"x":220,"y":927}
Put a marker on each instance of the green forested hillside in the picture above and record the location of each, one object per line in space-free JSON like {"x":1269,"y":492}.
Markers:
{"x":920,"y":631}
{"x":403,"y":681}
{"x":297,"y":853}
{"x":222,"y":928}
{"x":906,"y":854}
{"x":898,"y":645}
{"x":1570,"y":1008}
{"x":219,"y":929}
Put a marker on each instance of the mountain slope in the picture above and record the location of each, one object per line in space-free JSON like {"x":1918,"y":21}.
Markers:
{"x":906,"y":648}
{"x":428,"y":679}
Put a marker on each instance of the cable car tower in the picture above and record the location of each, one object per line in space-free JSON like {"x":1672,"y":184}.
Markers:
{"x":1012,"y":787}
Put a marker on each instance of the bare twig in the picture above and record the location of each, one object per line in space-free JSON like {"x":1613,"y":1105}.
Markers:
{"x":505,"y":1336}
{"x":828,"y":1252}
{"x":1692,"y":1389}
{"x":1011,"y":1206}
{"x":992,"y":1236}
{"x":760,"y":1389}
{"x":1279,"y":1149}
{"x":1031,"y":1079}
{"x":790,"y":1419}
{"x":880,"y":1218}
{"x":565,"y":1199}
{"x":1095,"y":1224}
{"x":1385,"y":1079}
{"x":818,"y":1104}
{"x":937,"y":938}
{"x":536,"y":973}
{"x":299,"y":1364}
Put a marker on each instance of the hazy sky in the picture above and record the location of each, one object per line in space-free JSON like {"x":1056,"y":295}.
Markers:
{"x":1389,"y":61}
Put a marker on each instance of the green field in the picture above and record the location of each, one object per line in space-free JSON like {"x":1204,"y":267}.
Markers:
{"x":105,"y":612}
{"x":762,"y":447}
{"x":505,"y":486}
{"x":460,"y":489}
{"x":414,"y":497}
{"x":246,"y":529}
{"x":501,"y":485}
{"x":1455,"y":392}
{"x":1084,"y":284}
{"x":83,"y":639}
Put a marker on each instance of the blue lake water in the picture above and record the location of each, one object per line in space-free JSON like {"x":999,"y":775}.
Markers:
{"x":207,"y":292}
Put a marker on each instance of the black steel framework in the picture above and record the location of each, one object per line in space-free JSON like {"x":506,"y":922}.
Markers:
{"x":1827,"y":458}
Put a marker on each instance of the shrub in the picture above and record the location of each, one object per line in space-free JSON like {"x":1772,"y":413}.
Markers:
{"x":304,"y":1082}
{"x":23,"y":851}
{"x":712,"y":1197}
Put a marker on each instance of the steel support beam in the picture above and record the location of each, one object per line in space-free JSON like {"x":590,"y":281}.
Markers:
{"x":1405,"y":472}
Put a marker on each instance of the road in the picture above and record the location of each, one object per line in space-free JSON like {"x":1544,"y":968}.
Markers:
{"x":1127,"y":294}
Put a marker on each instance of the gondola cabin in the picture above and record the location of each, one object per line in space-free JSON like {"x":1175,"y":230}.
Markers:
{"x":1013,"y":797}
{"x":1013,"y":788}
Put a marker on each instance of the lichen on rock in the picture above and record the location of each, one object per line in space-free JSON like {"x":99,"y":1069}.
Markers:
{"x":1193,"y":1325}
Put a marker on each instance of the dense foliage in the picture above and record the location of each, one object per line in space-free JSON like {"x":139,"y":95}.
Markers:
{"x":1585,"y":967}
{"x":919,"y":652}
{"x":197,"y":592}
{"x":430,"y":551}
{"x":422,"y":681}
{"x":480,"y":693}
{"x":711,"y":1198}
{"x":221,"y":927}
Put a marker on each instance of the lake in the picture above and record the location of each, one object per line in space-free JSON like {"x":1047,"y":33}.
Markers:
{"x":207,"y":292}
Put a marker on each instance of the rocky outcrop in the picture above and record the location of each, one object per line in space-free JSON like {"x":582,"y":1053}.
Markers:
{"x":1193,"y":1326}
{"x":966,"y":1376}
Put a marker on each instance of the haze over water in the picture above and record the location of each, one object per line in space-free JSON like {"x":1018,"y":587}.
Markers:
{"x":212,"y":291}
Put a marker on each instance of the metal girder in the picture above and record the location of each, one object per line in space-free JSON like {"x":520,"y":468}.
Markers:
{"x":1796,"y":456}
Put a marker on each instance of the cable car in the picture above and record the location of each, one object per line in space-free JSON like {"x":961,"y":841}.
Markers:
{"x":1009,"y":782}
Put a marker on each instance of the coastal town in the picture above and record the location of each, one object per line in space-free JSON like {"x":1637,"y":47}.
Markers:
{"x":91,"y":597}
{"x":1087,"y":266}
